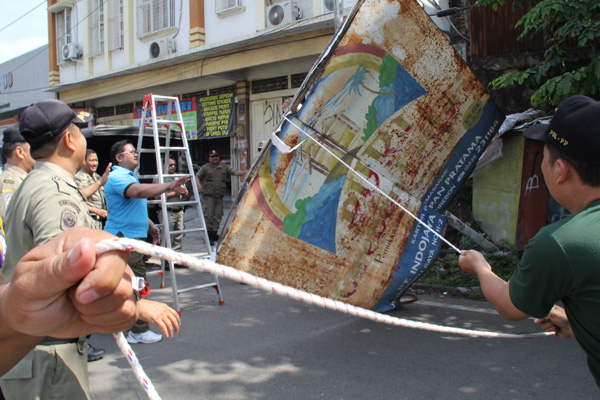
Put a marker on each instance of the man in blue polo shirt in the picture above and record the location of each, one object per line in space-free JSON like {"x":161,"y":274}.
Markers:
{"x":126,"y":203}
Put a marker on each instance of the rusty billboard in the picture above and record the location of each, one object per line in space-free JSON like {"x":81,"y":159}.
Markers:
{"x":391,"y":99}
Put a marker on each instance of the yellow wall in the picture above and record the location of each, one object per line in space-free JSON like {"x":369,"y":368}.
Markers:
{"x":496,"y":191}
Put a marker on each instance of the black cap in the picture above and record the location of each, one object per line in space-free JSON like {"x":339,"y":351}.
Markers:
{"x":213,"y":153}
{"x":574,"y":129}
{"x":47,"y":118}
{"x":12,"y":135}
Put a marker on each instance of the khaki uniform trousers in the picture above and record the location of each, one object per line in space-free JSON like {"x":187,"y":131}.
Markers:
{"x":212,"y":207}
{"x":64,"y":367}
{"x":175,"y":224}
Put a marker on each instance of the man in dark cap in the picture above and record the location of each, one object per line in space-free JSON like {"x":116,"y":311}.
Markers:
{"x":47,"y":203}
{"x":211,"y":179}
{"x":18,"y":164}
{"x":562,"y":262}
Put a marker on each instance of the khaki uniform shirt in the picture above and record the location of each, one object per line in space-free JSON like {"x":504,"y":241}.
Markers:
{"x":10,"y":180}
{"x":47,"y":203}
{"x":213,"y":179}
{"x":169,"y":179}
{"x":96,"y":200}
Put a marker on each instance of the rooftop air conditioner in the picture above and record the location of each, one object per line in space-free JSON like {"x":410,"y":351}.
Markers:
{"x":70,"y":51}
{"x":283,"y":13}
{"x":162,"y":47}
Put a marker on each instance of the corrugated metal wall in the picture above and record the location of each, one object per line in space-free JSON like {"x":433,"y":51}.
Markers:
{"x":493,"y":32}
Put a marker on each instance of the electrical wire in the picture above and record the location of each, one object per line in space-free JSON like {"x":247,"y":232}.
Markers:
{"x":28,"y":12}
{"x":58,"y":38}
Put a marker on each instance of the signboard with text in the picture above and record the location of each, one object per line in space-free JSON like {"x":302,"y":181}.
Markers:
{"x":390,"y":105}
{"x":188,"y":114}
{"x":216,"y":115}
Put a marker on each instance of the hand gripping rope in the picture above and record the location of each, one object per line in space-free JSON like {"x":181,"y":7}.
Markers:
{"x":124,"y":244}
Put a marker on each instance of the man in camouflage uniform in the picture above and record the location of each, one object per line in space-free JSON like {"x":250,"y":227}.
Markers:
{"x":91,"y":185}
{"x":18,"y":164}
{"x":211,"y":179}
{"x":47,"y":203}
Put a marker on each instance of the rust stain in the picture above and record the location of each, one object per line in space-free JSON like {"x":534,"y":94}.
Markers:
{"x":403,"y":156}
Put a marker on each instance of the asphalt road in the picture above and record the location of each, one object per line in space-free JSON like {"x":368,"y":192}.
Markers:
{"x":262,"y":346}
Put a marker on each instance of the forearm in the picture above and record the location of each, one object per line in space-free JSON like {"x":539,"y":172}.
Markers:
{"x":93,"y":210}
{"x":90,"y":190}
{"x":13,"y":345}
{"x":496,"y":291}
{"x":147,"y":190}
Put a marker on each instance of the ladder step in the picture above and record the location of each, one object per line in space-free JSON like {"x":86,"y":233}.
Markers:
{"x":164,"y":98}
{"x":171,"y":148}
{"x":187,"y":230}
{"x":168,"y":121}
{"x":213,"y":284}
{"x":171,"y":204}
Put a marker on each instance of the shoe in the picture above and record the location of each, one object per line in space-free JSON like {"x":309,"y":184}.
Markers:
{"x":94,"y":354}
{"x":144,"y":337}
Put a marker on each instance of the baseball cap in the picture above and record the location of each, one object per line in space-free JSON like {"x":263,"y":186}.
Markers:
{"x":574,"y":129}
{"x":47,"y":118}
{"x":12,"y":135}
{"x":213,"y":153}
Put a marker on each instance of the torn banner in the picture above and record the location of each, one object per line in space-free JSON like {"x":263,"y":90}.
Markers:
{"x":391,"y":98}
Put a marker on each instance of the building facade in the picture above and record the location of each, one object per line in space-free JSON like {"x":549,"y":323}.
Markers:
{"x":23,"y":81}
{"x":105,"y":55}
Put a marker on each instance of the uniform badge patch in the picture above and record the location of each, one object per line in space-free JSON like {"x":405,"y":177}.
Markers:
{"x":68,"y":219}
{"x":6,"y":197}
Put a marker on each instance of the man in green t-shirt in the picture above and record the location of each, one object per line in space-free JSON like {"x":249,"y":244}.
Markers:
{"x":562,"y":262}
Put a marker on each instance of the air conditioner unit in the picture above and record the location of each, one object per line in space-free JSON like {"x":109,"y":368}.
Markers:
{"x":328,"y":6}
{"x":70,"y":51}
{"x":283,"y":13}
{"x":162,"y":47}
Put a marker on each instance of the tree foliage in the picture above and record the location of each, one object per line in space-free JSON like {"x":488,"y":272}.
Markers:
{"x":571,"y":63}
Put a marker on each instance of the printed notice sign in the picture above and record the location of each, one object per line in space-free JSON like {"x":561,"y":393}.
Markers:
{"x":216,"y":116}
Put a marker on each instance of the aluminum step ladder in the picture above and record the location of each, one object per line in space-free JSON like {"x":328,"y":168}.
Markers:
{"x":174,"y":119}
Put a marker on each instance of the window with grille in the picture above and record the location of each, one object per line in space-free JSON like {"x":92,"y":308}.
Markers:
{"x":224,"y":5}
{"x":269,"y":85}
{"x":297,"y":79}
{"x":124,"y":108}
{"x":96,"y":27}
{"x":115,"y":25}
{"x":63,"y":30}
{"x":106,"y":111}
{"x":154,"y":15}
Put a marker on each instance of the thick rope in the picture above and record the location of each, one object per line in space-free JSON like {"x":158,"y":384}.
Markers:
{"x":124,"y":244}
{"x":136,"y":367}
{"x":286,"y":291}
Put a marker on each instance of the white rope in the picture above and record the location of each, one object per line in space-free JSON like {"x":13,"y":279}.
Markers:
{"x":136,"y":367}
{"x":284,"y":148}
{"x":286,"y":291}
